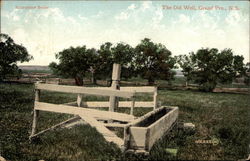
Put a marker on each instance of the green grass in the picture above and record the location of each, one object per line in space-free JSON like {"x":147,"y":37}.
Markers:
{"x":216,"y":115}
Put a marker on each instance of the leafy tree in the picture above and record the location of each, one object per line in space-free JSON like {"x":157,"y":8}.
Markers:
{"x":186,"y":64}
{"x":74,"y":63}
{"x":154,"y":61}
{"x":103,"y":65}
{"x":108,"y":54}
{"x":10,"y":54}
{"x":208,"y":67}
{"x":247,"y":76}
{"x":124,"y":54}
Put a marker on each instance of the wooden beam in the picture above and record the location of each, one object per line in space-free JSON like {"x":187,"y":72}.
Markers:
{"x":60,"y":125}
{"x":107,"y":134}
{"x":35,"y":113}
{"x":132,"y":107}
{"x":155,"y":98}
{"x":141,"y":89}
{"x":78,"y":110}
{"x":115,"y":86}
{"x":79,"y":100}
{"x":74,"y":103}
{"x":127,"y":104}
{"x":114,"y":125}
{"x":84,"y":90}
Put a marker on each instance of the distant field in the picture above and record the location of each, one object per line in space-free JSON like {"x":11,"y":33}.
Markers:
{"x":179,"y":79}
{"x":35,"y":69}
{"x":216,"y":115}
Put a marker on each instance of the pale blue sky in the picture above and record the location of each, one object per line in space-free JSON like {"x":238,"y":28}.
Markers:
{"x":47,"y":31}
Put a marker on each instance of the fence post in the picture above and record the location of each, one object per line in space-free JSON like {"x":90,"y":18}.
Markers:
{"x":132,"y":105}
{"x":35,"y":112}
{"x":155,"y":98}
{"x":79,"y":100}
{"x":115,"y":85}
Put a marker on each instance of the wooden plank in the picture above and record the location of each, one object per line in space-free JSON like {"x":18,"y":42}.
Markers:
{"x":78,"y":110}
{"x":155,"y":98}
{"x":35,"y":113}
{"x":34,"y":123}
{"x":107,"y":134}
{"x":158,"y":128}
{"x":84,"y":90}
{"x":132,"y":107}
{"x":60,"y":125}
{"x":115,"y":86}
{"x":116,"y":72}
{"x":141,"y":89}
{"x":138,"y":137}
{"x":137,"y":104}
{"x":74,"y":103}
{"x":79,"y":100}
{"x":95,"y":104}
{"x":121,"y":104}
{"x":114,"y":125}
{"x":126,"y":136}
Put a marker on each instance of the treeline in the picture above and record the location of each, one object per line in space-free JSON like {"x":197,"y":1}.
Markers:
{"x":150,"y":61}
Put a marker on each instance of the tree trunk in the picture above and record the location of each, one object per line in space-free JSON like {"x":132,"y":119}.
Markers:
{"x":93,"y":79}
{"x":79,"y":81}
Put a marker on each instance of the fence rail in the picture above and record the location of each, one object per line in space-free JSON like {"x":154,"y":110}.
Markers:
{"x":84,"y":90}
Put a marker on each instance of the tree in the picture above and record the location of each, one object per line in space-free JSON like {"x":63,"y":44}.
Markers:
{"x":103,"y":65}
{"x":186,"y":64}
{"x":208,"y":67}
{"x":124,"y":54}
{"x":108,"y":54}
{"x":10,"y":54}
{"x":74,"y":63}
{"x":247,"y":76}
{"x":154,"y":61}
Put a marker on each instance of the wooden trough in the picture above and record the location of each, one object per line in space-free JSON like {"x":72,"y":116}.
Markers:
{"x":145,"y":131}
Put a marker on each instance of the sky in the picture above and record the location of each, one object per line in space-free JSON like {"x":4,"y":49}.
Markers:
{"x":46,"y":27}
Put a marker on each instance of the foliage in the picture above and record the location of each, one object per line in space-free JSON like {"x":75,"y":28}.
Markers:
{"x":10,"y":54}
{"x":208,"y":67}
{"x":124,"y":54}
{"x":74,"y":62}
{"x":108,"y":54}
{"x":153,"y":61}
{"x":186,"y":64}
{"x":247,"y":76}
{"x":103,"y":66}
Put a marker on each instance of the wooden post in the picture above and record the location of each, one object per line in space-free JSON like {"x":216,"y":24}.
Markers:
{"x":79,"y":100}
{"x":35,"y":113}
{"x":132,"y":106}
{"x":126,"y":138}
{"x":115,"y":85}
{"x":155,"y":98}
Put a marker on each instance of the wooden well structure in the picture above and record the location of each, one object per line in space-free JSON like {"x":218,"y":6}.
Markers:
{"x":140,"y":134}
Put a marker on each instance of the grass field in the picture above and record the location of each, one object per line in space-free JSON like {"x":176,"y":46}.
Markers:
{"x":216,"y":115}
